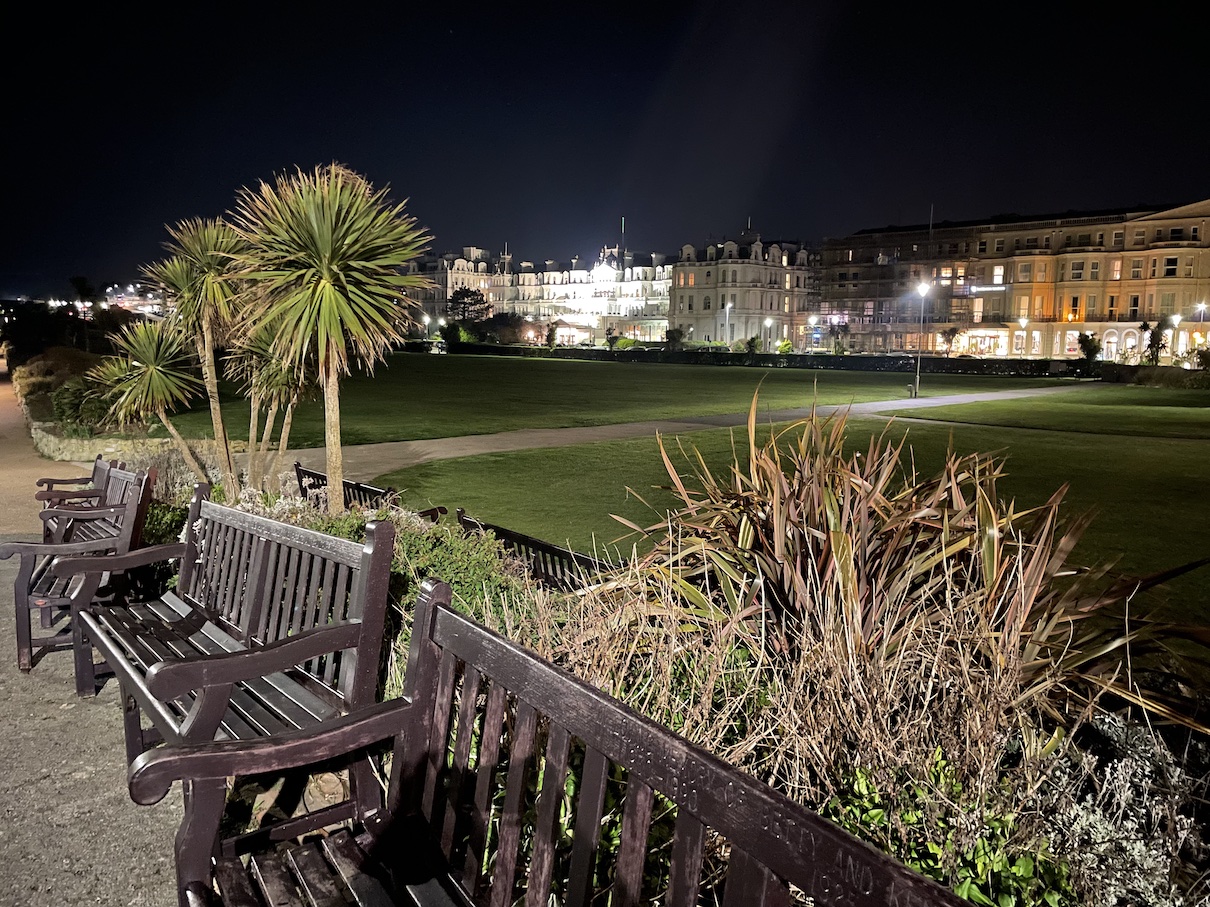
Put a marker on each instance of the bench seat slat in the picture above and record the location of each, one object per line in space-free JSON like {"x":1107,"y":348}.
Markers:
{"x":298,"y":706}
{"x":317,"y":881}
{"x":348,"y":859}
{"x":260,"y":706}
{"x":233,"y":883}
{"x":274,"y":880}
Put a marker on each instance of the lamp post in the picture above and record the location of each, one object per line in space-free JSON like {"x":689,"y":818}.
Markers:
{"x":727,"y":323}
{"x":1176,"y":323}
{"x":1023,"y":321}
{"x":923,"y":290}
{"x":1201,"y":312}
{"x":768,"y":334}
{"x":427,"y":320}
{"x":813,"y":320}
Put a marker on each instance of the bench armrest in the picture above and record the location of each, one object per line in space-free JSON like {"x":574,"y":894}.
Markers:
{"x":114,"y":563}
{"x":168,"y":680}
{"x":78,"y":514}
{"x":40,"y":549}
{"x":152,"y":773}
{"x":84,"y":494}
{"x":51,"y":483}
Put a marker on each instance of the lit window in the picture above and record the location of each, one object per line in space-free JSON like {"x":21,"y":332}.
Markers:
{"x":691,"y":276}
{"x":998,"y":272}
{"x":1115,"y":269}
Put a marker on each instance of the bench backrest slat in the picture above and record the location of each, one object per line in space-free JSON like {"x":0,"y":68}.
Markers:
{"x":528,"y":732}
{"x":262,"y":580}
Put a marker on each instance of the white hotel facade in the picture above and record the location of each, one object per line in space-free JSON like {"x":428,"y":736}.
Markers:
{"x":1001,"y":287}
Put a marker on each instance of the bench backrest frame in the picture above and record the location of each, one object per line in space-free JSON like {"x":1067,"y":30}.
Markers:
{"x":262,"y":580}
{"x":536,"y":710}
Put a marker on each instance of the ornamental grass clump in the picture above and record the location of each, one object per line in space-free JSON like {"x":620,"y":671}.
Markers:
{"x":906,"y":654}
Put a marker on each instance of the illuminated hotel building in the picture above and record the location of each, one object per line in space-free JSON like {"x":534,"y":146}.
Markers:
{"x":625,"y":290}
{"x":733,"y":290}
{"x":1024,"y":286}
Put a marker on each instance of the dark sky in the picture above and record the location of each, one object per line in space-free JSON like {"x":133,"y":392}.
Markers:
{"x":541,"y":125}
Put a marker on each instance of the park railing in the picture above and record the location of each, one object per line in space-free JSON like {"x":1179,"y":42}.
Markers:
{"x":551,"y":565}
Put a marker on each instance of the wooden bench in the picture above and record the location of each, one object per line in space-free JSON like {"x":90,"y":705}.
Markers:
{"x":112,"y":525}
{"x":77,"y":491}
{"x":269,"y":628}
{"x":551,"y":565}
{"x":513,"y":782}
{"x":54,"y":490}
{"x":313,"y":487}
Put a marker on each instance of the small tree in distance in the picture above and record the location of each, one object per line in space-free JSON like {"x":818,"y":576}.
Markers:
{"x":1090,"y":349}
{"x":469,"y":305}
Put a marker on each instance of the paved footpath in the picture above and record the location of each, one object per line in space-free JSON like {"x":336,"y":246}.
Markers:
{"x":364,"y":462}
{"x":69,"y":833}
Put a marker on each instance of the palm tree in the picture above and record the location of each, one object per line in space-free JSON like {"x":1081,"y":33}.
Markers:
{"x":152,"y":374}
{"x":325,"y":253}
{"x":197,"y":277}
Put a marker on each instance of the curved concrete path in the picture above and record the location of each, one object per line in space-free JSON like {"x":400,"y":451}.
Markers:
{"x":365,"y":462}
{"x":69,"y":832}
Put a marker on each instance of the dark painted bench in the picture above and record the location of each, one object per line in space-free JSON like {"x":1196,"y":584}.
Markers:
{"x":313,"y":487}
{"x":513,"y":782}
{"x":81,"y":488}
{"x":80,"y":491}
{"x":111,"y":525}
{"x":551,"y":565}
{"x":270,"y":628}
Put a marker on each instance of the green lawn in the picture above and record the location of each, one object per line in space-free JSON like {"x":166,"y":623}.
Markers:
{"x":1143,"y":497}
{"x":1094,"y":408}
{"x":414,"y":396}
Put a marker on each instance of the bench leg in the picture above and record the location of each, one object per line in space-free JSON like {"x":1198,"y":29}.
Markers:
{"x":25,"y":649}
{"x":81,"y":647}
{"x":132,"y":721}
{"x":197,"y":838}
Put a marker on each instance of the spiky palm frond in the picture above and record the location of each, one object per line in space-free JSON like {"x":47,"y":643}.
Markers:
{"x":154,"y":371}
{"x":326,"y":252}
{"x":198,"y":276}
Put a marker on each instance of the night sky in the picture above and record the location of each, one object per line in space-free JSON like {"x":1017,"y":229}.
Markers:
{"x":541,"y":125}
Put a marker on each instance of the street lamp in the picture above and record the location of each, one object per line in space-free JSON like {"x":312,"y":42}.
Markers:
{"x":1201,"y":312}
{"x":427,"y":319}
{"x":1176,"y":323}
{"x":813,"y":320}
{"x":923,"y":290}
{"x":1023,"y":321}
{"x":727,"y":323}
{"x":768,"y":334}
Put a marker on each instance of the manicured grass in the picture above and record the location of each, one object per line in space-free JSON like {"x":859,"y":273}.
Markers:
{"x":414,"y":396}
{"x":1100,"y":409}
{"x":1143,"y":497}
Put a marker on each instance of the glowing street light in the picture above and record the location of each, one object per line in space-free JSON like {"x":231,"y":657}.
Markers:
{"x":427,"y":320}
{"x":1176,"y":323}
{"x":813,"y":320}
{"x":923,"y":290}
{"x":1023,"y":321}
{"x":1201,"y":312}
{"x":727,"y":321}
{"x":768,"y":334}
